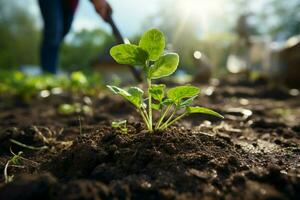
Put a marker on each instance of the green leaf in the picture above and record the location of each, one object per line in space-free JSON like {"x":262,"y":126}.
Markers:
{"x":118,"y":90}
{"x":16,"y":158}
{"x":129,"y":54}
{"x":118,"y":124}
{"x":167,"y":102}
{"x":66,"y":109}
{"x":158,"y":92}
{"x":78,"y":78}
{"x":122,"y":125}
{"x":181,"y":92}
{"x":134,"y":94}
{"x":187,"y":102}
{"x":155,"y":106}
{"x":153,"y":41}
{"x":164,"y":66}
{"x":203,"y":110}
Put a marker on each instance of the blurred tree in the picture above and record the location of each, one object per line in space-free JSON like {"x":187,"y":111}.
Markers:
{"x":84,"y":46}
{"x":19,"y":36}
{"x":282,"y":17}
{"x":276,"y":18}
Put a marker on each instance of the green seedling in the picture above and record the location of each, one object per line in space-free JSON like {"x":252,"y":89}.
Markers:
{"x":14,"y":161}
{"x":17,"y":161}
{"x":26,"y":87}
{"x":66,"y":109}
{"x":79,"y":82}
{"x":69,"y":109}
{"x":173,"y":104}
{"x":122,"y":125}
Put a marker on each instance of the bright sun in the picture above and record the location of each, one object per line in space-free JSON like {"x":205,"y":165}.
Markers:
{"x":201,"y":11}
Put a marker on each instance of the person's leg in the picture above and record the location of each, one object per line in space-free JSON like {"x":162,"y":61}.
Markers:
{"x":68,"y":10}
{"x":53,"y":30}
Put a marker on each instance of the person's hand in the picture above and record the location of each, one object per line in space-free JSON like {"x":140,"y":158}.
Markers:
{"x":103,"y":8}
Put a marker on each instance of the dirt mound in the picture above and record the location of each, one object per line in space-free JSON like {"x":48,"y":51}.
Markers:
{"x":254,"y":153}
{"x":178,"y":163}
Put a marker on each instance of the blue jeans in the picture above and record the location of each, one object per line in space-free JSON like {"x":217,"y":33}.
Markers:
{"x":57,"y":16}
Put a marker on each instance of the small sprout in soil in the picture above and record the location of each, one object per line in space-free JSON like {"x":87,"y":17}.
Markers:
{"x":14,"y":161}
{"x":149,"y":54}
{"x":121,"y":125}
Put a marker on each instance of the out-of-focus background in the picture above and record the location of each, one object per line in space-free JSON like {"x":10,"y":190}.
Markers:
{"x":213,"y":38}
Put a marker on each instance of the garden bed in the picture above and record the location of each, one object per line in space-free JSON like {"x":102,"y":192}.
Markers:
{"x":254,"y":153}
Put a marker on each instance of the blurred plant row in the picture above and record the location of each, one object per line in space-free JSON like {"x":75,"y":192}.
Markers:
{"x":16,"y":83}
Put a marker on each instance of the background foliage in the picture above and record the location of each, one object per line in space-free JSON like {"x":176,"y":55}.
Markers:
{"x":20,"y":35}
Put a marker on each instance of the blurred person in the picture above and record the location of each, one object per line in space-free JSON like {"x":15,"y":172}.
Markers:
{"x":243,"y":29}
{"x":58,"y":16}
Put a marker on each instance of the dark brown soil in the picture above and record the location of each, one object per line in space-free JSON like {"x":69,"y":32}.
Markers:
{"x":254,"y":153}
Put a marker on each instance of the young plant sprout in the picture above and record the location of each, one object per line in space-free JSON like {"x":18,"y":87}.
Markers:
{"x":122,"y":125}
{"x":149,"y":54}
{"x":14,"y":161}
